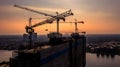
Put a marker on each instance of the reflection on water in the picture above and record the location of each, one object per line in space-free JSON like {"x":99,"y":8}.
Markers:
{"x":102,"y":60}
{"x":5,"y":55}
{"x":102,"y":55}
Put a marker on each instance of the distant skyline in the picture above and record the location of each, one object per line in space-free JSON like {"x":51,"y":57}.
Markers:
{"x":100,"y":16}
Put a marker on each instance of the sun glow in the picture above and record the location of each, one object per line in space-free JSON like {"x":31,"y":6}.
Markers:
{"x":97,"y":21}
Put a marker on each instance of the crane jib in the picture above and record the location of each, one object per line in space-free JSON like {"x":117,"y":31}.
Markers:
{"x":50,"y":20}
{"x":33,"y":10}
{"x":65,"y":14}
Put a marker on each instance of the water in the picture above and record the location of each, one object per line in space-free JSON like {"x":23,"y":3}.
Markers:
{"x":5,"y":55}
{"x":91,"y":59}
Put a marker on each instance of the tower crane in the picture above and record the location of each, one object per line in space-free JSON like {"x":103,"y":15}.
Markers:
{"x":76,"y":33}
{"x":30,"y":30}
{"x":76,"y":22}
{"x":50,"y":20}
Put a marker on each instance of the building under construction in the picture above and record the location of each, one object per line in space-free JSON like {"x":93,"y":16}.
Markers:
{"x":58,"y":52}
{"x":67,"y":54}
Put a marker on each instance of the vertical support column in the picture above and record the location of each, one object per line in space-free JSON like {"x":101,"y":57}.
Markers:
{"x":70,"y":53}
{"x":84,"y":51}
{"x":81,"y":55}
{"x":75,"y":52}
{"x":79,"y":51}
{"x":30,"y":40}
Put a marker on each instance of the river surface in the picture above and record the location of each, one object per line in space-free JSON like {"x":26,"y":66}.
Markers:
{"x":92,"y":60}
{"x":5,"y":55}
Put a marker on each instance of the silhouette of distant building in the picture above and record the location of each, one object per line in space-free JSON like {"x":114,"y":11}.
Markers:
{"x":26,"y":37}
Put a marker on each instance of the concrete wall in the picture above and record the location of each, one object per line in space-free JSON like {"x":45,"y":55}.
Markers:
{"x":71,"y":54}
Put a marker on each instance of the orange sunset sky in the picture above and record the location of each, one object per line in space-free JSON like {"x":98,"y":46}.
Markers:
{"x":100,"y":16}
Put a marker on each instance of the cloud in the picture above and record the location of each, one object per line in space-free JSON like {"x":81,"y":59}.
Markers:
{"x":110,"y":8}
{"x":40,"y":3}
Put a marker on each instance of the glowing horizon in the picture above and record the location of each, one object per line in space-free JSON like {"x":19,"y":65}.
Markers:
{"x":100,"y":17}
